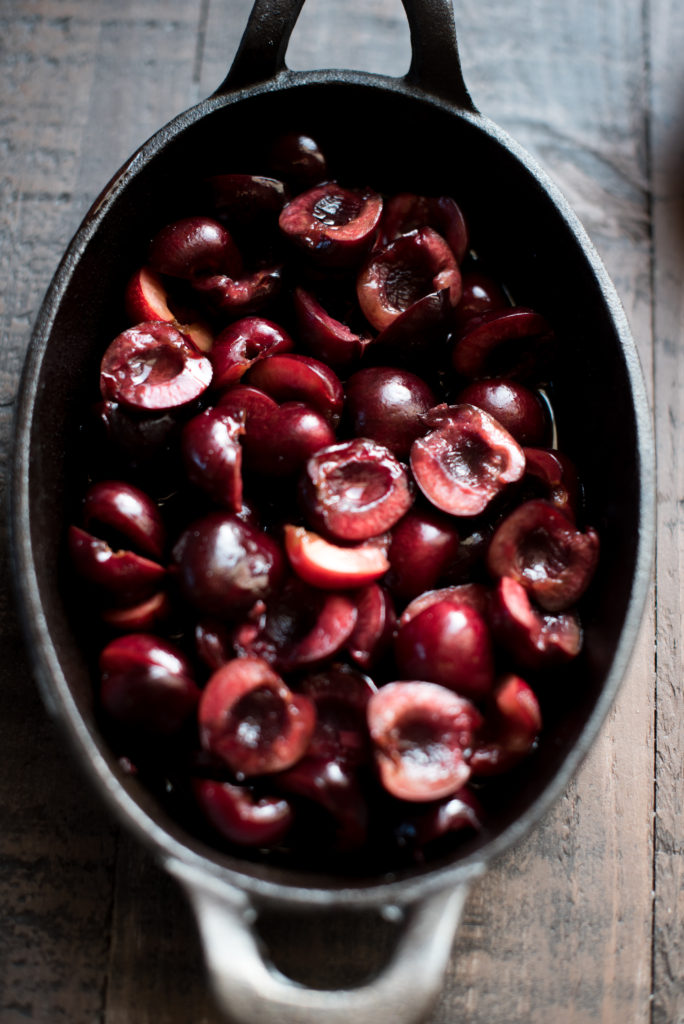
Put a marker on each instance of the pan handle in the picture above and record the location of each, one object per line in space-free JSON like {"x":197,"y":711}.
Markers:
{"x":249,"y":988}
{"x":435,"y":64}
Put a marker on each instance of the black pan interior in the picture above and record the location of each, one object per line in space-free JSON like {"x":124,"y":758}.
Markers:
{"x":401,"y":143}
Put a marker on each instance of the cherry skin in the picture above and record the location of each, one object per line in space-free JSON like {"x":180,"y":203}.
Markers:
{"x":119,"y":506}
{"x":240,"y":817}
{"x":517,"y":408}
{"x":423,"y":544}
{"x":387,"y":404}
{"x":241,"y":344}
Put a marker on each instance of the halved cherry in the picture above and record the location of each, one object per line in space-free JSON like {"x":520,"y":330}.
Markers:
{"x":125,"y":509}
{"x":554,"y":477}
{"x":420,"y":732}
{"x":502,"y":343}
{"x":387,"y":404}
{"x":423,"y":544}
{"x":147,"y":684}
{"x":535,"y":639}
{"x":142,"y":439}
{"x":450,"y":644}
{"x":142,"y":617}
{"x":341,"y":696}
{"x":481,"y":294}
{"x":374,"y":627}
{"x":298,"y":159}
{"x":250,"y":719}
{"x":406,"y":271}
{"x":328,"y":339}
{"x":153,"y":367}
{"x":354,"y":490}
{"x":475,"y":595}
{"x":458,"y":813}
{"x":333,"y":786}
{"x":250,"y":293}
{"x":241,"y":344}
{"x":281,"y":442}
{"x":299,"y":628}
{"x":406,"y":212}
{"x":465,"y":460}
{"x":246,"y":200}
{"x":225,"y":565}
{"x":510,"y":730}
{"x":213,"y":641}
{"x":146,"y":298}
{"x":296,"y":378}
{"x":516,"y":407}
{"x":332,"y":567}
{"x":543,"y":550}
{"x":124,"y":574}
{"x":194,"y":247}
{"x":240,"y":816}
{"x":212,"y":455}
{"x":333,"y":224}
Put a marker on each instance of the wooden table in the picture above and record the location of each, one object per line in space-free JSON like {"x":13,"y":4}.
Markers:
{"x":583,"y":921}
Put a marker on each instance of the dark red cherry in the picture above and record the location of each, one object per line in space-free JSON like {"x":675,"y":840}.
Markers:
{"x":332,"y":785}
{"x":333,"y":224}
{"x":406,"y":212}
{"x":387,"y":404}
{"x":341,"y":696}
{"x":114,"y":505}
{"x":541,"y":548}
{"x":423,"y":544}
{"x":534,"y":639}
{"x":153,"y":367}
{"x":249,"y":719}
{"x":194,"y":247}
{"x":475,"y":595}
{"x":420,"y":732}
{"x":465,"y":460}
{"x":480,"y":295}
{"x":239,"y":816}
{"x":281,"y":442}
{"x":457,"y":813}
{"x":250,"y":293}
{"x":553,"y":476}
{"x":147,"y":684}
{"x":354,"y":490}
{"x":298,"y":160}
{"x":212,"y":455}
{"x":450,"y":644}
{"x":406,"y":271}
{"x":246,"y":201}
{"x":147,"y":298}
{"x":510,"y":730}
{"x":241,"y":344}
{"x":326,"y":338}
{"x":503,"y":343}
{"x":517,"y":408}
{"x":225,"y":565}
{"x":332,"y":567}
{"x":296,"y":378}
{"x":374,"y":629}
{"x":141,"y":617}
{"x":124,"y":575}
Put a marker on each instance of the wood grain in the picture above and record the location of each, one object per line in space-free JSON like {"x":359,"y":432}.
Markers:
{"x":583,"y":921}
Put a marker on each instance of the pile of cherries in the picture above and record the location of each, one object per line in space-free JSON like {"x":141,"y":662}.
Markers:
{"x":335,"y":553}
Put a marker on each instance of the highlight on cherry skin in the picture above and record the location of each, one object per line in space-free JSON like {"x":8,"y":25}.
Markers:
{"x":326,"y":559}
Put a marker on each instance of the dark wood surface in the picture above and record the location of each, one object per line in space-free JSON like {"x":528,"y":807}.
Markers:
{"x":583,"y":921}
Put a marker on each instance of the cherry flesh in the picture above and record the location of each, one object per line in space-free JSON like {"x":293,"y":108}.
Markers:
{"x":341,"y":696}
{"x":147,"y":299}
{"x":332,"y":224}
{"x":374,"y":629}
{"x":332,"y":567}
{"x":535,"y":639}
{"x":239,"y":816}
{"x":406,"y":212}
{"x":509,"y":734}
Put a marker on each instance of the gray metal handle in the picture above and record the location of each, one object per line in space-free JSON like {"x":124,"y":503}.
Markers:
{"x":435,"y":64}
{"x":250,"y":989}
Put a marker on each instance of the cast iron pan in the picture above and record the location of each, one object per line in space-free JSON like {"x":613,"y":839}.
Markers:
{"x":420,"y":133}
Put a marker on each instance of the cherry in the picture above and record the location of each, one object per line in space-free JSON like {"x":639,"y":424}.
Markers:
{"x":554,"y":477}
{"x":125,"y":575}
{"x":535,"y":639}
{"x":292,"y":377}
{"x":502,"y":343}
{"x":335,"y":225}
{"x":147,"y":299}
{"x":341,"y":696}
{"x":517,"y":408}
{"x":387,"y":404}
{"x":212,"y":455}
{"x":374,"y":629}
{"x":450,"y":644}
{"x":298,"y":160}
{"x":327,"y":339}
{"x":213,"y":642}
{"x":332,"y":567}
{"x":457,"y":813}
{"x":241,"y":344}
{"x":239,"y":816}
{"x":239,"y":296}
{"x":511,"y":726}
{"x":420,"y":732}
{"x":406,"y":212}
{"x":143,"y":440}
{"x":480,"y":295}
{"x":246,"y":201}
{"x":147,"y":684}
{"x":424,"y":542}
{"x":331,"y":785}
{"x":194,"y":247}
{"x":142,"y":617}
{"x":475,"y":595}
{"x":225,"y":565}
{"x":132,"y":514}
{"x":249,"y":719}
{"x":538,"y":546}
{"x":466,"y":460}
{"x":153,"y":367}
{"x":408,"y":270}
{"x":281,"y":442}
{"x":354,"y":490}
